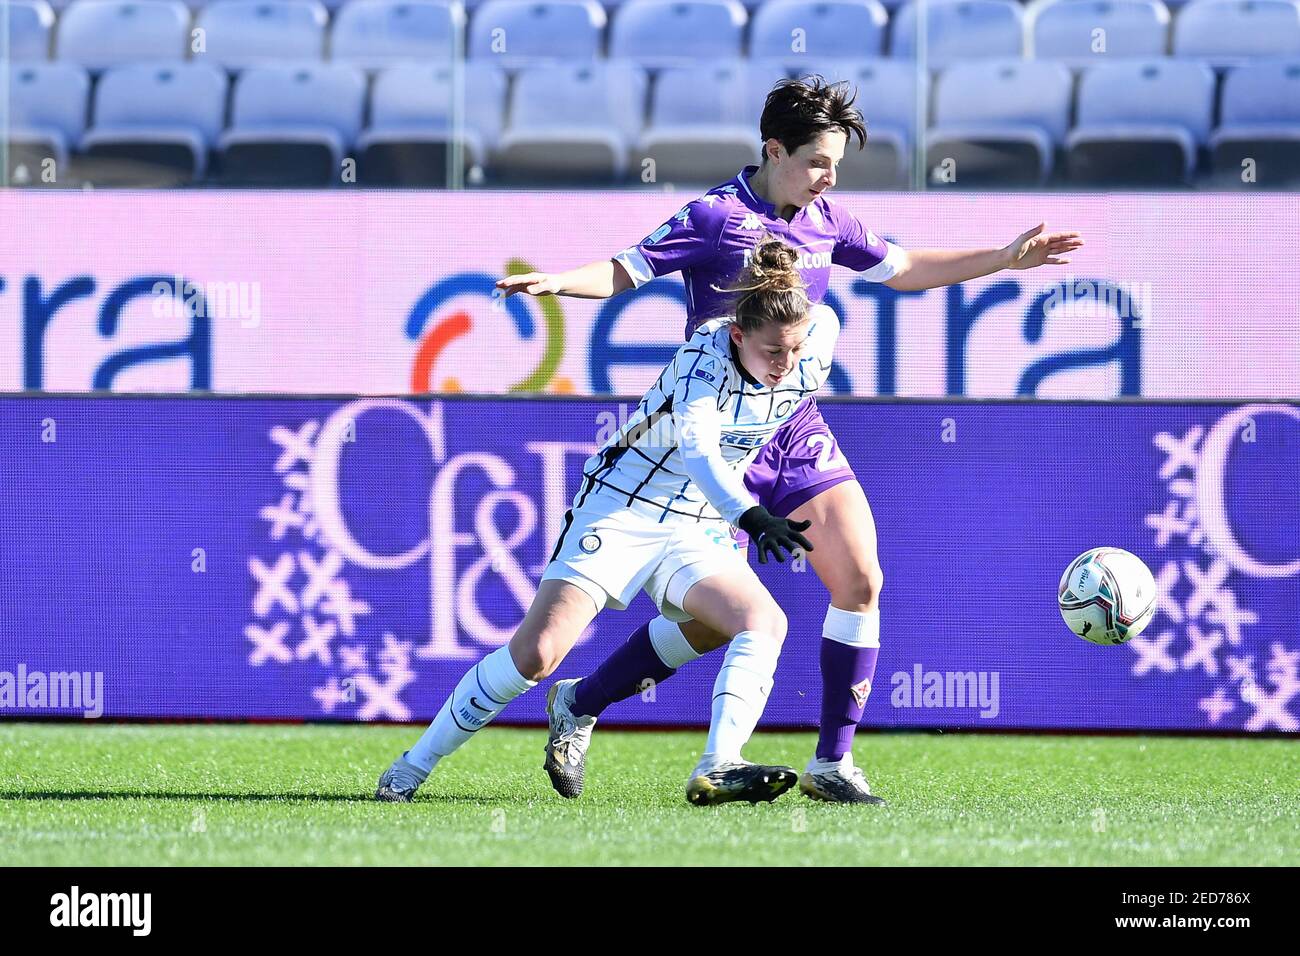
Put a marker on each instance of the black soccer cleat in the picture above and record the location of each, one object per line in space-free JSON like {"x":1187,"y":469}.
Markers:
{"x":837,"y":782}
{"x":750,"y":782}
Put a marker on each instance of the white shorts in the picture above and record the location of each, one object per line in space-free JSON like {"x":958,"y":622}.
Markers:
{"x":612,"y":556}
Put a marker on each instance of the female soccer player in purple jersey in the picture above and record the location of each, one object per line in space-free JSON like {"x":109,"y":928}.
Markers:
{"x":654,"y":512}
{"x":805,"y":127}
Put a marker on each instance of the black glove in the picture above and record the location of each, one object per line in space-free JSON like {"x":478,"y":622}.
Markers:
{"x":770,"y":533}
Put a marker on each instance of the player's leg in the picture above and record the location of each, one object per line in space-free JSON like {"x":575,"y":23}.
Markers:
{"x":806,"y":477}
{"x":843,"y":532}
{"x":648,"y":657}
{"x":556,"y":618}
{"x":736,"y":603}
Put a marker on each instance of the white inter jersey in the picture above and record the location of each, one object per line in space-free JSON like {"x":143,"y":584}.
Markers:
{"x":682,"y":456}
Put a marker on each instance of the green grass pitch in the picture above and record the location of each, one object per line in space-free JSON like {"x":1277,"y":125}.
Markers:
{"x":299,"y":795}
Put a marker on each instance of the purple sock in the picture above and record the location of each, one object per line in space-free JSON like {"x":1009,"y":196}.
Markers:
{"x":621,"y":675}
{"x":847,"y":672}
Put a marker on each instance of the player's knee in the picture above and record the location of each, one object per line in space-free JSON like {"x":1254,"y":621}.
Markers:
{"x":535,"y":662}
{"x":859,"y":586}
{"x":769,"y":620}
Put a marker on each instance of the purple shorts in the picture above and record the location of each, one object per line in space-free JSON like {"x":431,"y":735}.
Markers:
{"x":800,"y":462}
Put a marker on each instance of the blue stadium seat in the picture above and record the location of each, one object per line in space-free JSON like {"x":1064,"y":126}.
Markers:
{"x":832,"y":29}
{"x":31,"y":22}
{"x":887,"y":96}
{"x":658,"y":33}
{"x":1000,"y":122}
{"x":572,"y":123}
{"x":240,"y":33}
{"x":960,"y":30}
{"x":103,"y":33}
{"x":514,"y":33}
{"x":704,"y":120}
{"x":1260,"y":122}
{"x":373,"y":34}
{"x":1228,"y":32}
{"x":1065,"y":30}
{"x":47,"y":116}
{"x":1140,"y":123}
{"x":291,"y":125}
{"x":423,"y":117}
{"x":155,"y":122}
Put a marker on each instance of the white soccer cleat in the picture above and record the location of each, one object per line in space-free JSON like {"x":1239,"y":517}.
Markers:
{"x":837,"y":781}
{"x":567,"y":743}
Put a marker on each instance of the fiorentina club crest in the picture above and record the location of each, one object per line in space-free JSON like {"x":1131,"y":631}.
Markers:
{"x":1201,"y":627}
{"x":861,"y":691}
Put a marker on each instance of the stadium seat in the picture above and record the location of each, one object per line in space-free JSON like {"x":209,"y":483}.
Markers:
{"x":887,"y":96}
{"x":658,"y":33}
{"x":999,"y":122}
{"x":1066,"y":30}
{"x":1260,"y":122}
{"x":154,"y":124}
{"x":1140,"y":123}
{"x":373,"y":34}
{"x":241,"y":33}
{"x":704,"y":120}
{"x":103,"y":33}
{"x":291,"y":125}
{"x":31,"y":23}
{"x":572,"y":124}
{"x":1228,"y":32}
{"x":832,"y":29}
{"x":516,"y":33}
{"x":420,"y":116}
{"x":47,"y":115}
{"x":960,"y":30}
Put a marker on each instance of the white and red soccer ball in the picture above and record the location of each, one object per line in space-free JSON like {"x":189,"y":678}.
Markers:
{"x":1107,"y":596}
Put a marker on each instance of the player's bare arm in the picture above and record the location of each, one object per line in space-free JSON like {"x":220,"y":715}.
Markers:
{"x":932,"y":268}
{"x":595,"y":280}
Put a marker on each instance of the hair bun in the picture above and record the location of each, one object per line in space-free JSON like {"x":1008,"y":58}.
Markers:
{"x":773,"y":266}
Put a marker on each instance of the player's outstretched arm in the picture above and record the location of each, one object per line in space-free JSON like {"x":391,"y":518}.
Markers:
{"x":595,"y":280}
{"x":932,"y":268}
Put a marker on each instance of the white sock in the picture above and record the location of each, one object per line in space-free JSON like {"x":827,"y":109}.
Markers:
{"x":670,"y":643}
{"x":481,"y":694}
{"x":740,"y":694}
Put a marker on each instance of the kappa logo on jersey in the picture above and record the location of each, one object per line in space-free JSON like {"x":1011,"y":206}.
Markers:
{"x":815,"y":215}
{"x":872,"y":238}
{"x":751,"y":221}
{"x":684,"y":215}
{"x":729,"y":189}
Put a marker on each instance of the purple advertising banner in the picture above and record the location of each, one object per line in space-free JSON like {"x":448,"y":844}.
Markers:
{"x":391,"y":293}
{"x":347,"y":559}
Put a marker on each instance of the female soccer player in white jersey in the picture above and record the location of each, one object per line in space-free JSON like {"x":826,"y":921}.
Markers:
{"x":655,"y":511}
{"x":805,"y":127}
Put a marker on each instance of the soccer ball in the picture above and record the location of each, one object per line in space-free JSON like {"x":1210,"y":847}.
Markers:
{"x":1107,"y":596}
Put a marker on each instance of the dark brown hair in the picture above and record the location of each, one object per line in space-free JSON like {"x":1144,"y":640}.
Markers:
{"x":770,"y":288}
{"x":798,"y":111}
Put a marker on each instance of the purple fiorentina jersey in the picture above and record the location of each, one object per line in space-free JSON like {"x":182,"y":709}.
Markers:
{"x":711,"y":239}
